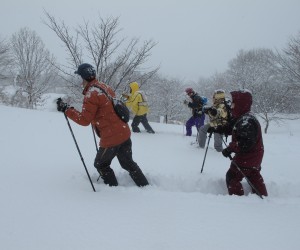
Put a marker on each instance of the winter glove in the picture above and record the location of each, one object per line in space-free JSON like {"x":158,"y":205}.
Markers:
{"x":185,"y":102}
{"x":61,"y":106}
{"x":206,"y":109}
{"x":219,"y":129}
{"x":211,"y":130}
{"x":210,"y":111}
{"x":226,"y":152}
{"x":213,"y":111}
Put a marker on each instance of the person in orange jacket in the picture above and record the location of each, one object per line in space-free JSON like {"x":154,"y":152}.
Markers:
{"x":97,"y":109}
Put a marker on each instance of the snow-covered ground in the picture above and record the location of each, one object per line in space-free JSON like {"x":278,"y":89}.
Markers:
{"x":47,"y":201}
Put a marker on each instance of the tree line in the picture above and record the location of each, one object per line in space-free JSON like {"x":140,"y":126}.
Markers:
{"x":31,"y":70}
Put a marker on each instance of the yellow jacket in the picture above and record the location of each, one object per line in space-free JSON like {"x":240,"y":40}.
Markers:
{"x":221,"y":118}
{"x":136,"y":102}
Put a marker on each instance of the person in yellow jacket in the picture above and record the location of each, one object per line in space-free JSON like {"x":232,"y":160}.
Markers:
{"x":137,"y":103}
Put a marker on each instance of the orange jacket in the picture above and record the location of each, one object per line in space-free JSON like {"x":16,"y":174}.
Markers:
{"x":98,"y":110}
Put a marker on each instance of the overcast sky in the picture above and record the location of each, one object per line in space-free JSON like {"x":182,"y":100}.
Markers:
{"x":195,"y":37}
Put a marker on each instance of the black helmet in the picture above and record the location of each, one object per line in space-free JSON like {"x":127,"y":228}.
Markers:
{"x":86,"y":71}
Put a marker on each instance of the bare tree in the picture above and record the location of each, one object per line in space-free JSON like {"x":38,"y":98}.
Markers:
{"x":33,"y":65}
{"x":208,"y":86}
{"x":272,"y":101}
{"x":4,"y":58}
{"x":252,"y":67}
{"x":289,"y":60}
{"x":115,"y":60}
{"x":258,"y":71}
{"x":166,"y":98}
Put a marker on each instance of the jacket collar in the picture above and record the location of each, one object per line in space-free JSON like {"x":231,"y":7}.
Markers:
{"x":89,"y":84}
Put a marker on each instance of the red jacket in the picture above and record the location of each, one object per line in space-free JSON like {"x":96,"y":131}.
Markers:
{"x":247,"y":142}
{"x":98,"y":110}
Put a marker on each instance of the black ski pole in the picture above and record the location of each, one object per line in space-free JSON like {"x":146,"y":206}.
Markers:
{"x":79,"y":152}
{"x":95,"y":139}
{"x":249,"y":182}
{"x":96,"y":147}
{"x":206,"y":151}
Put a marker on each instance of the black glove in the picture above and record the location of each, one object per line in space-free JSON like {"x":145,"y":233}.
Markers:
{"x":206,"y":109}
{"x":211,"y":130}
{"x":213,"y":111}
{"x":226,"y":152}
{"x":219,"y":129}
{"x":61,"y":106}
{"x":185,"y":102}
{"x":210,"y":111}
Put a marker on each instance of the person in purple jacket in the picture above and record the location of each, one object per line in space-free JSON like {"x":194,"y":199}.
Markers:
{"x":196,"y":105}
{"x":247,"y":145}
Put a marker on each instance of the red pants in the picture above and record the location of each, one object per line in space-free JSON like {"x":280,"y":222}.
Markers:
{"x":234,"y":178}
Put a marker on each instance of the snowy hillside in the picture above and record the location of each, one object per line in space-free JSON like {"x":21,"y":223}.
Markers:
{"x":47,"y":201}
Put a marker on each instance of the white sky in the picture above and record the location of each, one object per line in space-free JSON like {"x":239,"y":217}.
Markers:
{"x":195,"y":37}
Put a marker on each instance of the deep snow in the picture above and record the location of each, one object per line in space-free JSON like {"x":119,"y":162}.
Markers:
{"x":47,"y":201}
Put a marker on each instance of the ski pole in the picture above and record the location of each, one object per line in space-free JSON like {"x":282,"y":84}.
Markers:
{"x":206,"y":151}
{"x":79,"y":152}
{"x":95,"y":138}
{"x":249,"y":182}
{"x":96,"y":147}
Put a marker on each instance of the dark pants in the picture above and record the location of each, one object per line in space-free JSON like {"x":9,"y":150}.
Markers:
{"x":141,"y":119}
{"x":234,"y":178}
{"x":123,"y":152}
{"x":197,"y":121}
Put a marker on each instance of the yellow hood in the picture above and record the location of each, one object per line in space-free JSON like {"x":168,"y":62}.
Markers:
{"x":134,"y":86}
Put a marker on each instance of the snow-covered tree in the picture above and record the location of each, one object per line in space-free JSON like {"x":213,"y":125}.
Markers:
{"x":289,"y":59}
{"x":33,"y":66}
{"x":258,"y":71}
{"x":4,"y":57}
{"x":165,"y":97}
{"x":208,"y":86}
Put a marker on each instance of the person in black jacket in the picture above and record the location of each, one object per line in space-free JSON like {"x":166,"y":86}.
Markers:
{"x":247,"y":146}
{"x":196,"y":105}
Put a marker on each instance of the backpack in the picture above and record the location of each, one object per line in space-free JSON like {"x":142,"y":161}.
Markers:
{"x":121,"y":110}
{"x":204,"y":100}
{"x":119,"y":106}
{"x":144,"y":98}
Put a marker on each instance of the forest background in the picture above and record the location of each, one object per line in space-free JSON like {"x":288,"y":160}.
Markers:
{"x":28,"y":70}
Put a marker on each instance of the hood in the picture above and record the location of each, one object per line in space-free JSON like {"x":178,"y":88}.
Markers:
{"x":134,"y":86}
{"x":242,"y":102}
{"x":218,"y":97}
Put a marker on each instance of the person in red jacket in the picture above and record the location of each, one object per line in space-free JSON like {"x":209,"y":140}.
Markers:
{"x":247,"y":144}
{"x":97,"y":109}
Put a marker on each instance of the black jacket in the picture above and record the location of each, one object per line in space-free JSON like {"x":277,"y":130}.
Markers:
{"x":196,"y":105}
